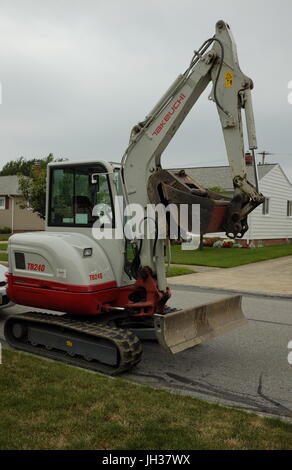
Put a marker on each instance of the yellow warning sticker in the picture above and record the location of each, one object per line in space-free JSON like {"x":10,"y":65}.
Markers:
{"x":228,"y":79}
{"x":69,"y":343}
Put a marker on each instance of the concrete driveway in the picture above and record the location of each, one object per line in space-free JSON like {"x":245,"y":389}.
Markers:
{"x":272,"y":277}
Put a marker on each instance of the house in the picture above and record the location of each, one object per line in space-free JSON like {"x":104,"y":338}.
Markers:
{"x":11,"y":214}
{"x":270,"y":223}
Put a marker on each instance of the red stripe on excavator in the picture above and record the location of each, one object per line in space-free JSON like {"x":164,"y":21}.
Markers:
{"x":68,"y":298}
{"x":88,"y":300}
{"x":55,"y":285}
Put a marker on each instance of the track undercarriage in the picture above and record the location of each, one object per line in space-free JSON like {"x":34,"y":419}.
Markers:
{"x":91,"y":344}
{"x":110,"y":343}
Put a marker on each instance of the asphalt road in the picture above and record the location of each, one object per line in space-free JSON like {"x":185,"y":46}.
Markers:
{"x":247,"y":368}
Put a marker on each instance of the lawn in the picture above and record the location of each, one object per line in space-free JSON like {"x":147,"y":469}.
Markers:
{"x":228,"y":257}
{"x":173,"y":271}
{"x":3,"y":246}
{"x":4,"y":236}
{"x":48,"y":405}
{"x":3,"y":257}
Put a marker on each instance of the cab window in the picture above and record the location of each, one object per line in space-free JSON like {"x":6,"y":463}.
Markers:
{"x":75,"y":192}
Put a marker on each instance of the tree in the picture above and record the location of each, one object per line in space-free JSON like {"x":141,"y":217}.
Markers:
{"x":33,"y":185}
{"x":21,"y":166}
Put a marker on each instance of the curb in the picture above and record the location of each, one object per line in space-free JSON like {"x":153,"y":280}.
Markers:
{"x":232,"y":291}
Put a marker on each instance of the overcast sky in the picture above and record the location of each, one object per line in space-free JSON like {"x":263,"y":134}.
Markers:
{"x":77,"y":75}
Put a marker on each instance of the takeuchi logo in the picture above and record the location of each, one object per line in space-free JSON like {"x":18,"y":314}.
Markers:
{"x":169,"y":114}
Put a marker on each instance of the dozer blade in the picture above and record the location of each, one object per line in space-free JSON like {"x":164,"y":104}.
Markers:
{"x":184,"y":329}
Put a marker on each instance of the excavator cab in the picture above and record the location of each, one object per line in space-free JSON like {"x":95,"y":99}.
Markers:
{"x":74,"y":190}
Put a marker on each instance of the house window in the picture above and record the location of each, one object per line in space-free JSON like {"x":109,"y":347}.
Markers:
{"x":289,"y":208}
{"x":266,"y":206}
{"x":2,"y":202}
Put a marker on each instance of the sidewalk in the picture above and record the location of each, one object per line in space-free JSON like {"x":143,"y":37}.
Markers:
{"x":196,"y":268}
{"x":271,"y":277}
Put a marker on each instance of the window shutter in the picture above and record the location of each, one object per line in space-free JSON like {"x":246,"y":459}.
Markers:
{"x":6,"y":202}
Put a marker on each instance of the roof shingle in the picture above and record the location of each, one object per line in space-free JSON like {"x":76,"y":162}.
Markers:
{"x":9,"y":185}
{"x":220,"y":176}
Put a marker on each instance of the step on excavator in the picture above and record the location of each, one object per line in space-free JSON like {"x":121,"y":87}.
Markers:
{"x":107,"y":293}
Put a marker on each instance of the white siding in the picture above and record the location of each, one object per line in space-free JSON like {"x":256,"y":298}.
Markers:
{"x":275,"y":186}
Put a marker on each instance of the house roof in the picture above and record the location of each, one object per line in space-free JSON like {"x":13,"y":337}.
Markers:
{"x":212,"y":176}
{"x":220,"y":176}
{"x":9,"y":185}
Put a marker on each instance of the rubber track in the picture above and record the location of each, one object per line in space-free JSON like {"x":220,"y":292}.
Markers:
{"x":128,"y":345}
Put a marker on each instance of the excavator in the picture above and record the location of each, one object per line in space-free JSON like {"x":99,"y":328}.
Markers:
{"x":104,"y":295}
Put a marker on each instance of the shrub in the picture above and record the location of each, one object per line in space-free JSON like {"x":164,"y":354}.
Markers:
{"x":227,"y":245}
{"x":6,"y":230}
{"x":245,"y":245}
{"x":218,"y":244}
{"x":209,"y":242}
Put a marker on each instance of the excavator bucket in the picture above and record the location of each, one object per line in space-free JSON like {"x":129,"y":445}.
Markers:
{"x":184,"y":329}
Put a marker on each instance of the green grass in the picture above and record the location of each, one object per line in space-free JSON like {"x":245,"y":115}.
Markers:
{"x":173,"y":271}
{"x":47,"y":405}
{"x":228,"y":257}
{"x":4,"y":237}
{"x":216,"y":257}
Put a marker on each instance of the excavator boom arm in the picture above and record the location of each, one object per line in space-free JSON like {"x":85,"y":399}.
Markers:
{"x":216,"y":61}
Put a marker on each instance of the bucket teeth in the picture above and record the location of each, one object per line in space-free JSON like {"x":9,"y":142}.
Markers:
{"x":184,"y":329}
